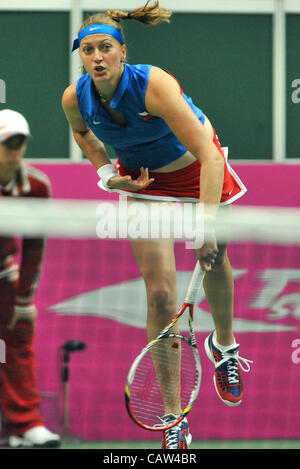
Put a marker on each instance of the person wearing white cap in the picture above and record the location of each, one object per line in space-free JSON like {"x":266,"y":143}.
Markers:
{"x":19,"y":397}
{"x":12,"y":124}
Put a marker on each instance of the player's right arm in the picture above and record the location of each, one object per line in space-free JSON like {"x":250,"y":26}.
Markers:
{"x":91,"y":146}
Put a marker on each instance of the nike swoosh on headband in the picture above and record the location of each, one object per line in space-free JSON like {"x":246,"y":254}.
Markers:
{"x":97,"y":29}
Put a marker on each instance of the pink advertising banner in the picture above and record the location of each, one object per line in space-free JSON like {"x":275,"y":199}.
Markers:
{"x":91,"y":290}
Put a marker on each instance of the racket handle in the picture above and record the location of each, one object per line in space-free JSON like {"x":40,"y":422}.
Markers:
{"x":195,"y":285}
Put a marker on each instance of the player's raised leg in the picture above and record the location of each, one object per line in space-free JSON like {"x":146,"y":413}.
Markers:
{"x":220,"y":345}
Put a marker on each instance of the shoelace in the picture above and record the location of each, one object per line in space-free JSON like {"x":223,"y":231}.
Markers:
{"x":233,"y":359}
{"x":172,"y":437}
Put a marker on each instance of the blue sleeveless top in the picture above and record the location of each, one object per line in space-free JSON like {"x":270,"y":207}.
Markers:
{"x":146,"y":140}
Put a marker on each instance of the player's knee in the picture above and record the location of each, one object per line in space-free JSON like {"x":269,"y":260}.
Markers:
{"x":161,"y":299}
{"x":219,"y":261}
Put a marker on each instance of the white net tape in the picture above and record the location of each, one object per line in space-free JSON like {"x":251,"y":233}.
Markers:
{"x":112,"y":219}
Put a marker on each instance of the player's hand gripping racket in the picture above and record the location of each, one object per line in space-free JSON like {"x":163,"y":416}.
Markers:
{"x":165,"y":377}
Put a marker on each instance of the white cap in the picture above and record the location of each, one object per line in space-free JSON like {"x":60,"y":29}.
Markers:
{"x":12,"y":123}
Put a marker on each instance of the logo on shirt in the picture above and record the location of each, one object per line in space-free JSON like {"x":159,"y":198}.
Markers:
{"x":96,"y":123}
{"x":145,"y":115}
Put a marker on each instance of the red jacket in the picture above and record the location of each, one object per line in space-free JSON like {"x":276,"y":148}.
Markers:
{"x":29,"y":182}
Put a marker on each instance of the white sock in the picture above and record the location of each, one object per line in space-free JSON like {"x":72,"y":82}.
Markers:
{"x":223,"y":348}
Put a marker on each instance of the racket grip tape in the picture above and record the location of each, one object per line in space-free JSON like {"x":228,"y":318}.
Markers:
{"x":195,"y":285}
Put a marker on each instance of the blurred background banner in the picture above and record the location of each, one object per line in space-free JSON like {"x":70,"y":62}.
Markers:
{"x":239,"y":61}
{"x":92,"y":290}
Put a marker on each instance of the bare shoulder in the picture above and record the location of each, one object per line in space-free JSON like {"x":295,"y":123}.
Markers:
{"x":160,"y":80}
{"x":163,"y":93}
{"x":69,"y":97}
{"x":71,"y":109}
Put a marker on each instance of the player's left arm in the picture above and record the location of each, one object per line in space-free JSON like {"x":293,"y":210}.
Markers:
{"x":163,"y":99}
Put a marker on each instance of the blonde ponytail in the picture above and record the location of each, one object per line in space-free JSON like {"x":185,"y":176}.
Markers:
{"x":150,"y":15}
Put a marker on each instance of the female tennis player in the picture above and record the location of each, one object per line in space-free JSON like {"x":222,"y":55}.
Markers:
{"x":167,"y":150}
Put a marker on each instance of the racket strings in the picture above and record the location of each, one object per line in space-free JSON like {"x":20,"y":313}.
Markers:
{"x":163,"y":381}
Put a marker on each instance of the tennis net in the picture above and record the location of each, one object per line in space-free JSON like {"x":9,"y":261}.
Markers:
{"x":91,"y":291}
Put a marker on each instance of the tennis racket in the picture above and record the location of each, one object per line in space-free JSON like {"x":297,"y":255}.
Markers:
{"x":165,"y":377}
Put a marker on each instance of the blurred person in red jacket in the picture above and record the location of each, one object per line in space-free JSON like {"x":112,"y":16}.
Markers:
{"x":19,"y":397}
